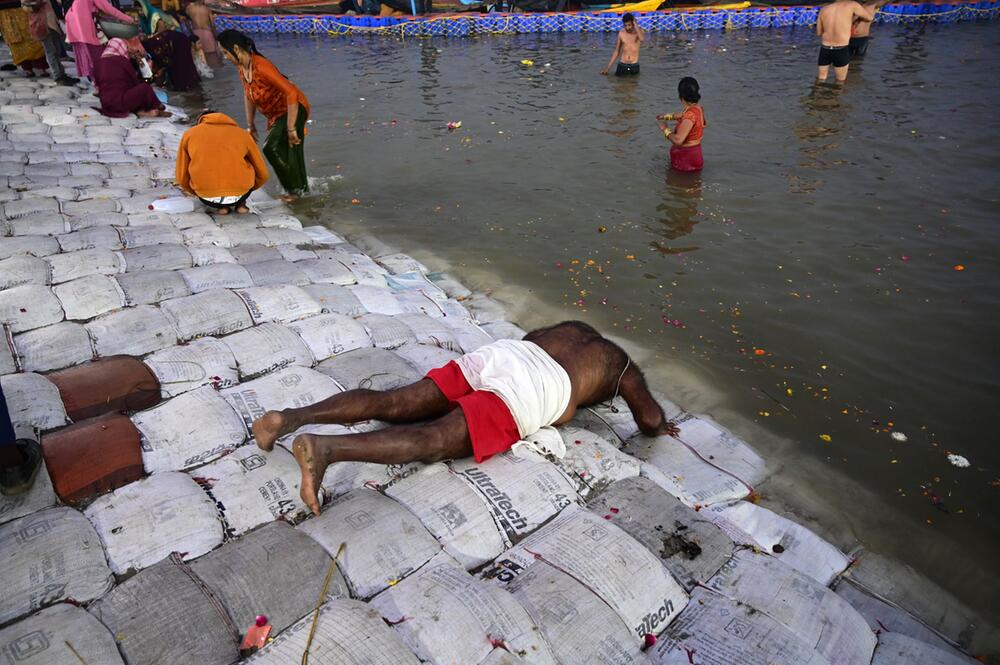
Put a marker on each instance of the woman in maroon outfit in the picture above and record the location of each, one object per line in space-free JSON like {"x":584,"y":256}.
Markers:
{"x":119,"y":87}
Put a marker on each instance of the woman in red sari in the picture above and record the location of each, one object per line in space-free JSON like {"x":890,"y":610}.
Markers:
{"x":685,"y":138}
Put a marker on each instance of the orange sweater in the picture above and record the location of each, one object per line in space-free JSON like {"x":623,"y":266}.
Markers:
{"x":218,"y":158}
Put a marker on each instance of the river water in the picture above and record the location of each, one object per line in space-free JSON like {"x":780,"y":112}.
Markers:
{"x":830,"y":280}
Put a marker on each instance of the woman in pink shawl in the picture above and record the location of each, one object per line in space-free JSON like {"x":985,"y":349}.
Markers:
{"x":81,"y":31}
{"x":119,"y":87}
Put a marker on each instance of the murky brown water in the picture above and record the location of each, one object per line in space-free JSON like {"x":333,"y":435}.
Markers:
{"x":806,"y":284}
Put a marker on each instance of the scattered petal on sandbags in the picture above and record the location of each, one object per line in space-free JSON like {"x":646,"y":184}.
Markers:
{"x":503,"y":330}
{"x":63,"y":634}
{"x":795,"y":545}
{"x":202,"y":362}
{"x":189,"y":430}
{"x":425,"y":358}
{"x":94,"y":237}
{"x":33,"y":403}
{"x":348,"y":632}
{"x":326,"y":271}
{"x":452,"y":511}
{"x":157,"y":257}
{"x":89,"y":296}
{"x":722,"y":632}
{"x":186,"y":623}
{"x":41,"y":495}
{"x":289,"y":388}
{"x":712,"y":442}
{"x":21,"y":270}
{"x":592,"y":462}
{"x":370,"y":368}
{"x":28,"y":307}
{"x":276,"y":571}
{"x":143,"y":522}
{"x":72,"y":265}
{"x":328,"y":335}
{"x":447,"y":616}
{"x":521,"y":493}
{"x":282,"y":303}
{"x":33,"y":245}
{"x":385,"y":542}
{"x":386,"y":332}
{"x":212,"y":312}
{"x":689,"y":545}
{"x":335,"y":299}
{"x":53,"y":347}
{"x":898,"y":649}
{"x":134,"y":331}
{"x":430,"y":331}
{"x":265,"y":348}
{"x":252,"y":487}
{"x":50,"y":556}
{"x":152,"y":286}
{"x":272,"y":273}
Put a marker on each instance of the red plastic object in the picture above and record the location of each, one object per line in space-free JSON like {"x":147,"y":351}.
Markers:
{"x":257,"y":636}
{"x":112,"y":384}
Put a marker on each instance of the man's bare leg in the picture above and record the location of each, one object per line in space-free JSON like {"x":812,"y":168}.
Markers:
{"x":840,"y":73}
{"x":444,"y":438}
{"x":823,"y":72}
{"x":418,"y":401}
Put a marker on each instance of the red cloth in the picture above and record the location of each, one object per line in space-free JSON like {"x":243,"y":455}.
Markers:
{"x":120,"y":89}
{"x":686,"y":159}
{"x":492,"y":428}
{"x":697,"y":117}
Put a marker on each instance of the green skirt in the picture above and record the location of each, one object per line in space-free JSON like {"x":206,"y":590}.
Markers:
{"x":288,"y":162}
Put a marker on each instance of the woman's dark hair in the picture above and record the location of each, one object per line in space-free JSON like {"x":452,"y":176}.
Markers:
{"x":230,"y":38}
{"x":688,"y":90}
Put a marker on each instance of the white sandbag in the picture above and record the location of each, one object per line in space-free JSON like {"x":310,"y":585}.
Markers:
{"x":387,"y":332}
{"x":89,"y":296}
{"x":377,"y":300}
{"x":296,"y":253}
{"x":719,"y":631}
{"x":143,"y":522}
{"x":419,"y":303}
{"x":484,"y":308}
{"x":430,"y":331}
{"x":245,"y":234}
{"x":610,"y":562}
{"x":592,"y":462}
{"x":280,"y":235}
{"x":447,"y":616}
{"x":89,"y":207}
{"x":157,"y":257}
{"x":81,"y":181}
{"x":282,"y":303}
{"x":165,"y":616}
{"x":40,"y":496}
{"x":99,"y":192}
{"x":897,"y":649}
{"x":72,"y":265}
{"x":522,"y":493}
{"x":792,"y":543}
{"x":369,"y":368}
{"x":192,"y":220}
{"x":94,"y":237}
{"x":343,"y":477}
{"x":38,"y":224}
{"x":672,"y":466}
{"x":328,"y":335}
{"x":500,"y":656}
{"x":814,"y":613}
{"x":348,"y":632}
{"x":28,"y":307}
{"x":33,"y":403}
{"x":321,"y":235}
{"x":335,"y":299}
{"x":212,"y":312}
{"x":207,"y":235}
{"x":399,"y":263}
{"x":267,"y":348}
{"x":364,"y":269}
{"x":49,"y":556}
{"x":53,"y":347}
{"x":91,"y":220}
{"x":28,"y":206}
{"x":91,"y":169}
{"x":424,"y":358}
{"x":269,"y":273}
{"x":326,"y":271}
{"x":385,"y":542}
{"x":469,"y":336}
{"x":452,"y":512}
{"x":414,"y":283}
{"x":578,"y":626}
{"x":148,"y":218}
{"x":144,"y":236}
{"x":7,"y":354}
{"x":252,"y":487}
{"x":503,"y":330}
{"x":216,"y":276}
{"x":278,"y":220}
{"x":288,"y":388}
{"x":202,"y":362}
{"x":691,"y":547}
{"x":615,"y":414}
{"x":60,"y":635}
{"x":135,"y":331}
{"x":205,"y":255}
{"x":254,"y":253}
{"x":34,"y":245}
{"x":152,"y":286}
{"x":23,"y":269}
{"x":883,"y":616}
{"x":188,"y":430}
{"x":712,"y":442}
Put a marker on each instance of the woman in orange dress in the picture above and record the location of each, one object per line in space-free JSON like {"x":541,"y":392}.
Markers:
{"x":282,"y":103}
{"x":685,"y":138}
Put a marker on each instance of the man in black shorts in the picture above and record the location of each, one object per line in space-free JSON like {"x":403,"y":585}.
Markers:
{"x":834,"y":25}
{"x":630,"y":38}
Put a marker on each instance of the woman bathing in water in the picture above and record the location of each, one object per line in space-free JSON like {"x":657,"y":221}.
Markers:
{"x":480,"y":404}
{"x":685,"y":138}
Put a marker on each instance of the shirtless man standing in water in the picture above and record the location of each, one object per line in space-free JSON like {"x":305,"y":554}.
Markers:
{"x":833,"y":25}
{"x":480,"y":404}
{"x":202,"y":25}
{"x":630,"y":38}
{"x":861,"y":32}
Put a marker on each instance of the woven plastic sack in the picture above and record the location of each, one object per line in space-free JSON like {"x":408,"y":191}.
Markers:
{"x":897,"y":649}
{"x":266,"y":348}
{"x":328,"y":335}
{"x":254,"y":253}
{"x":151,"y":287}
{"x":40,"y":496}
{"x":468,"y":335}
{"x":335,"y":299}
{"x":202,"y":362}
{"x":72,"y":265}
{"x":425,"y":358}
{"x":377,"y":300}
{"x":90,"y":296}
{"x":157,"y":257}
{"x":60,"y":635}
{"x":32,"y":245}
{"x":432,"y":331}
{"x":272,"y":273}
{"x":212,"y":312}
{"x":592,"y":462}
{"x":20,"y":270}
{"x":369,"y":368}
{"x":503,"y":330}
{"x":711,"y":441}
{"x":386,"y":332}
{"x":33,"y":403}
{"x":216,"y":276}
{"x":135,"y":331}
{"x":96,"y":237}
{"x":288,"y":388}
{"x":53,"y":347}
{"x":282,"y":303}
{"x":28,"y":307}
{"x":326,"y":271}
{"x":205,"y":255}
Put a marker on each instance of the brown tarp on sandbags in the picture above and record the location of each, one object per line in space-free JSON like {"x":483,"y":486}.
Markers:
{"x":276,"y":571}
{"x":166,"y":616}
{"x":93,"y":456}
{"x":115,"y":383}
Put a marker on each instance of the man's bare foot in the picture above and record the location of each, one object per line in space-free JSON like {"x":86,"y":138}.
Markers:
{"x":147,"y":114}
{"x":269,"y":428}
{"x":289,"y":198}
{"x":222,"y":211}
{"x":313,"y":463}
{"x":242,"y":210}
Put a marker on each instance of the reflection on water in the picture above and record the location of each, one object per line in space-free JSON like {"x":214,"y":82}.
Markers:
{"x":803,"y":284}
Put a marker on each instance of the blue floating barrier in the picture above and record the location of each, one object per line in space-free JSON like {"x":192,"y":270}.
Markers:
{"x":760,"y":17}
{"x":716,"y":20}
{"x":672,"y":21}
{"x":806,"y":15}
{"x":784,"y":17}
{"x":572,"y":23}
{"x":737,"y":18}
{"x":548,"y":23}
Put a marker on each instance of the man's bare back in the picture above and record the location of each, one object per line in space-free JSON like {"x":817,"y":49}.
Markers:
{"x":200,"y":15}
{"x":833,"y":26}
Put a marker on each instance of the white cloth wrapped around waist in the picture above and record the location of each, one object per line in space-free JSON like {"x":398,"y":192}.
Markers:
{"x":534,"y":387}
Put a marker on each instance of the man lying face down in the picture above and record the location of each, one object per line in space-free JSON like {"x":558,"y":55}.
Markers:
{"x":480,"y":404}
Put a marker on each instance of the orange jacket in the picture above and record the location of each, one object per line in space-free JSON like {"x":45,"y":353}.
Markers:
{"x":219,"y":158}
